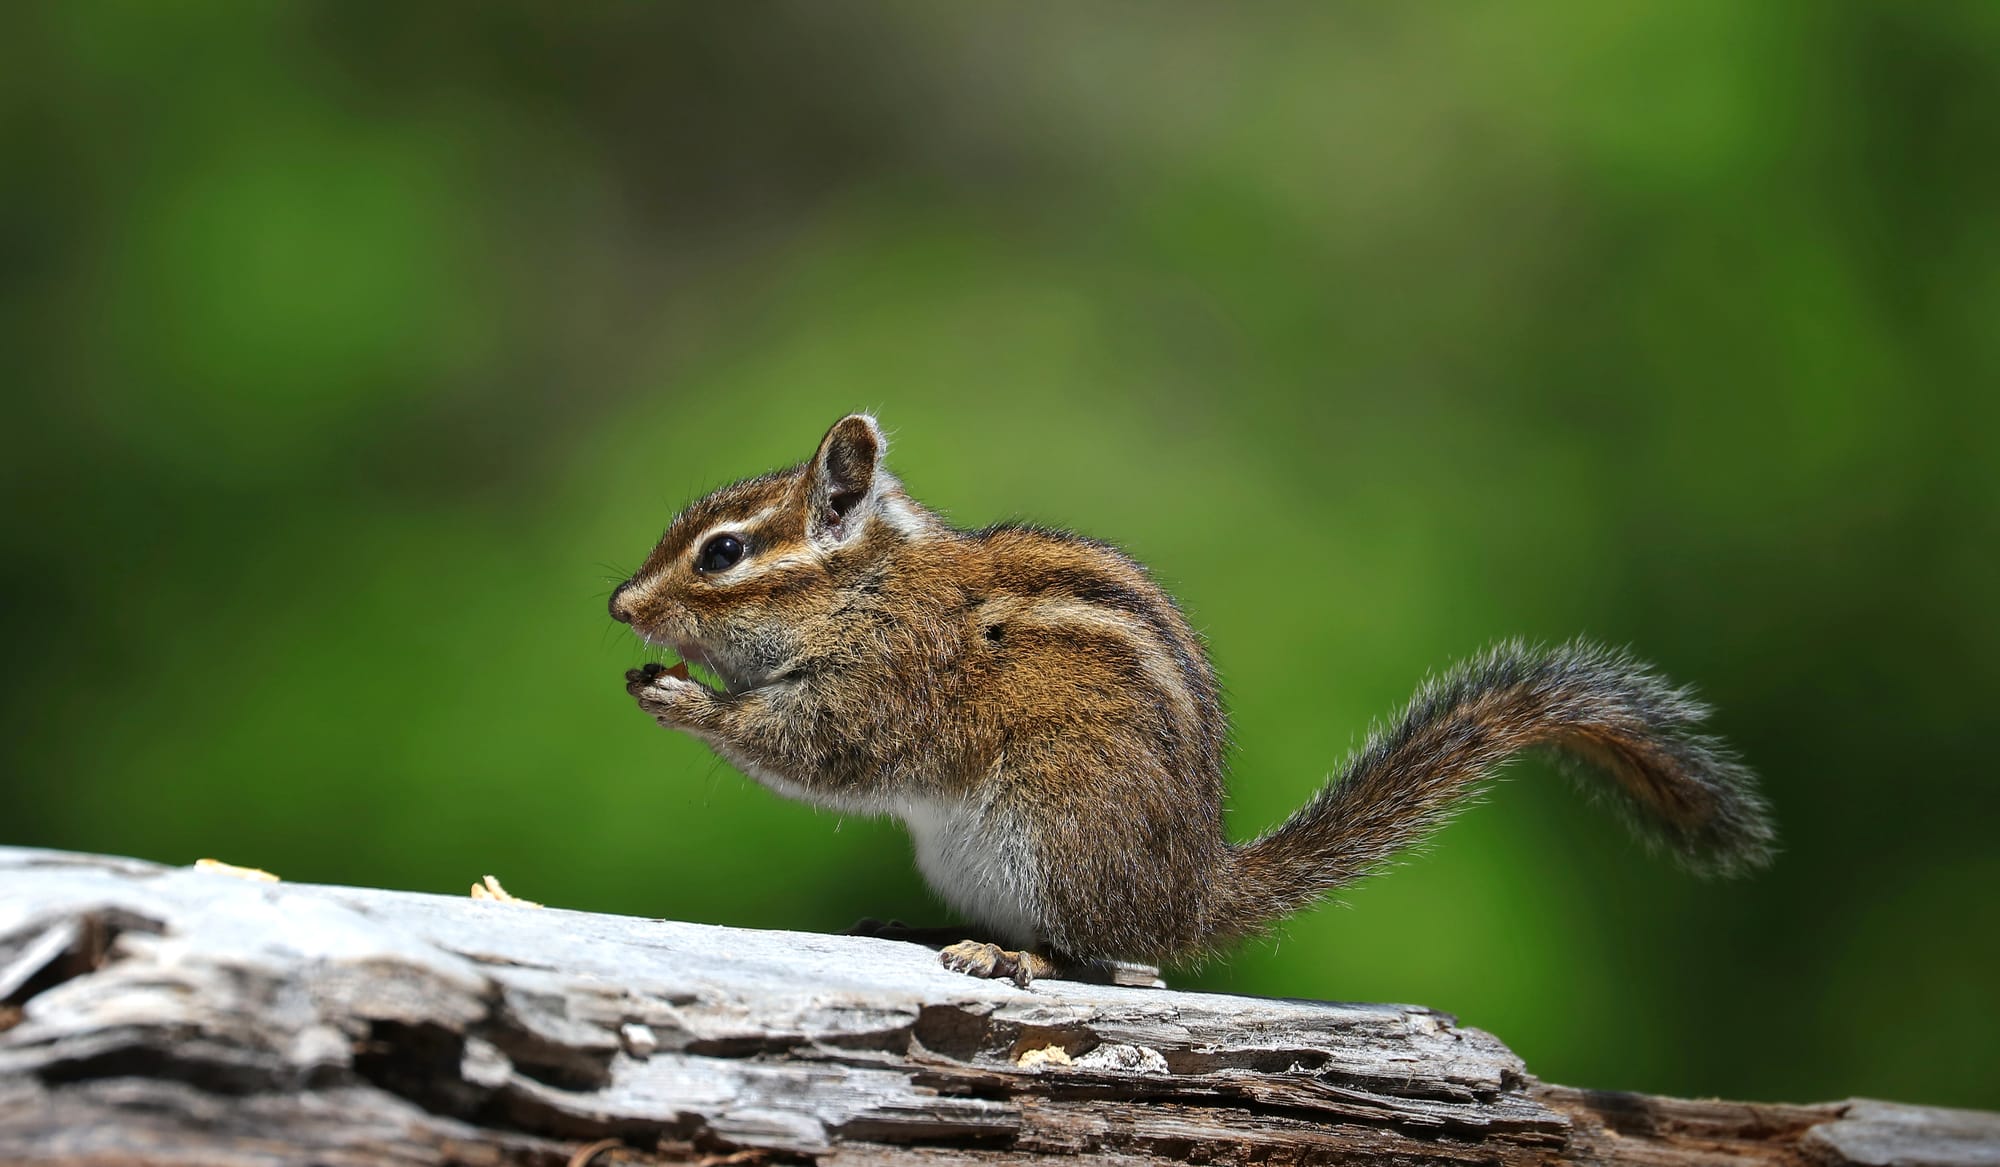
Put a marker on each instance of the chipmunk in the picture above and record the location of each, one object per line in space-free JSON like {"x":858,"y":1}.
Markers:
{"x":1043,"y":719}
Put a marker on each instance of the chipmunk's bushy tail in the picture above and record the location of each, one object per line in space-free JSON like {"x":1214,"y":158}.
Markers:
{"x":1617,"y":725}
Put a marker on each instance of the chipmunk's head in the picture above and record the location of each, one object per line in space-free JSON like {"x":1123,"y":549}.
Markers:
{"x":746,"y":579}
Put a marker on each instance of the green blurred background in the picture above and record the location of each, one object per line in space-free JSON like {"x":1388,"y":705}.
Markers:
{"x":354,"y":350}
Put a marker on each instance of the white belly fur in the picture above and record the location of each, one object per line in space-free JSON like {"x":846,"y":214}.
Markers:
{"x":979,"y":864}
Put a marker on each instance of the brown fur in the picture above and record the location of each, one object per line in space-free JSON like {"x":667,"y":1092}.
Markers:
{"x":1041,"y":688}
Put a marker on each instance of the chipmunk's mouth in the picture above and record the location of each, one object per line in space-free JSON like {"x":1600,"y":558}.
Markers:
{"x":723,"y":672}
{"x":697,"y":665}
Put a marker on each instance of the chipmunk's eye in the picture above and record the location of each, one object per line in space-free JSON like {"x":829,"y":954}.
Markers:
{"x":719,"y":553}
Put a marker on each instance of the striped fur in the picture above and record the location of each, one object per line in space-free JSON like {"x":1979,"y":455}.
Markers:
{"x":1042,"y":717}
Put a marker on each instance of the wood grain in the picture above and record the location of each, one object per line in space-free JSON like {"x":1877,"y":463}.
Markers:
{"x":154,"y":1015}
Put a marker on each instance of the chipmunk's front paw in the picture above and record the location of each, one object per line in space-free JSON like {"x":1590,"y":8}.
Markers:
{"x":667,"y":693}
{"x":976,"y":958}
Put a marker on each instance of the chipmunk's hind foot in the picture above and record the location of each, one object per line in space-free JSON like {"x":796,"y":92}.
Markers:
{"x":977,"y":958}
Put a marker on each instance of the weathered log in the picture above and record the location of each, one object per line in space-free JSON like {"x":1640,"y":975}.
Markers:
{"x":169,"y":1015}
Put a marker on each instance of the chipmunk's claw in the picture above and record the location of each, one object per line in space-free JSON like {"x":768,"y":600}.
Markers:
{"x":674,"y":699}
{"x":976,"y":958}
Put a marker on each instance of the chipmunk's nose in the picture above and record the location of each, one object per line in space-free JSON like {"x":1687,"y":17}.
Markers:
{"x":619,"y":611}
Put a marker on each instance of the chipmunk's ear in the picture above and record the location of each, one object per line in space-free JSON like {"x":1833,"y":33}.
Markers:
{"x":844,"y":479}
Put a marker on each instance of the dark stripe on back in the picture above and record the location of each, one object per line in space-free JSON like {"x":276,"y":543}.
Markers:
{"x":1152,"y":606}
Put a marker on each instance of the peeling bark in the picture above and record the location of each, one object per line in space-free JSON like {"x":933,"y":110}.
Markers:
{"x":171,"y":1016}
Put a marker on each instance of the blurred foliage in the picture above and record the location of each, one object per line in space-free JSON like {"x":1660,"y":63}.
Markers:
{"x":354,"y":350}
